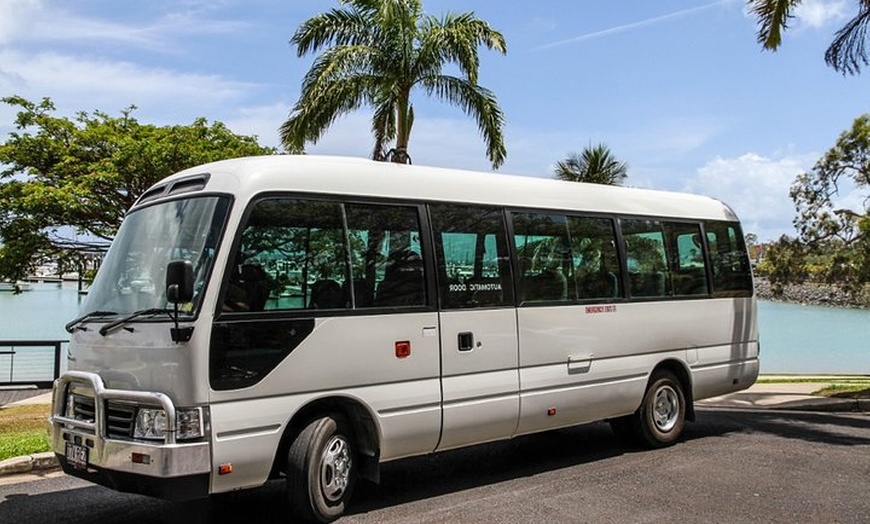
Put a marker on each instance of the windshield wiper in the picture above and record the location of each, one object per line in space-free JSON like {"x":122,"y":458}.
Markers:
{"x":72,"y":326}
{"x":111,"y":326}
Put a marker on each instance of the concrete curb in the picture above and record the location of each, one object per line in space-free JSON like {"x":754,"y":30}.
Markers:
{"x":850,"y":405}
{"x":826,"y":405}
{"x":29,"y":464}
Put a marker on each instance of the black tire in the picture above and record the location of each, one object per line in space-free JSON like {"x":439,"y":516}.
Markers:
{"x":661,"y":417}
{"x":321,"y":469}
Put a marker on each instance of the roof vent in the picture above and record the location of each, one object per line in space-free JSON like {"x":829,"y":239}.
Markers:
{"x":182,"y":185}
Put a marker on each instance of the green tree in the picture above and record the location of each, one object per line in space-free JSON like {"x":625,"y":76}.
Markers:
{"x":62,"y":175}
{"x":825,"y":224}
{"x":785,"y":262}
{"x":595,"y":165}
{"x":847,"y":52}
{"x":376,"y":52}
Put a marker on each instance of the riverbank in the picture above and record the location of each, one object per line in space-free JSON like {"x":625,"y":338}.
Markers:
{"x":812,"y":294}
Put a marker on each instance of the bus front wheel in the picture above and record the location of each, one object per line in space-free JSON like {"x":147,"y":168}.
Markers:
{"x":660,"y":419}
{"x":321,"y":469}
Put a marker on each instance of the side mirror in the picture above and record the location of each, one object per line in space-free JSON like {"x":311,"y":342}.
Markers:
{"x":179,"y":281}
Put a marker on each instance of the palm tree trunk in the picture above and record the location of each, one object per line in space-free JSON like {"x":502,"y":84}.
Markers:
{"x":404,"y":121}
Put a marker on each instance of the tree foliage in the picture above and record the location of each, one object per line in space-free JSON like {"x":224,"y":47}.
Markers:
{"x":785,"y":262}
{"x":62,"y":175}
{"x":833,"y":232}
{"x":595,"y":165}
{"x":375,"y":53}
{"x":847,"y":52}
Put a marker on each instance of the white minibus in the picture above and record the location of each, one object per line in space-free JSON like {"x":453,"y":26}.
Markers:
{"x":309,"y":318}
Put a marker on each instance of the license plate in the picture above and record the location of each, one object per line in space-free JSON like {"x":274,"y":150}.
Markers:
{"x":77,"y":455}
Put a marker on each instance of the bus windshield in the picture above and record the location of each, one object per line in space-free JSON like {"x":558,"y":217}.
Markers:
{"x":132,"y":276}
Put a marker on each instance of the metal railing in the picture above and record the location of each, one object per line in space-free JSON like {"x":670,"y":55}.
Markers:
{"x":30,"y":362}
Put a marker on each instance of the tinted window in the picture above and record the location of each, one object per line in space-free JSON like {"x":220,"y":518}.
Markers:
{"x":646,"y":258}
{"x":565,"y":258}
{"x":386,"y":257}
{"x":732,"y":276}
{"x":546,"y":267}
{"x":301,"y":254}
{"x":688,"y":264}
{"x":595,"y":258}
{"x":473,"y":257}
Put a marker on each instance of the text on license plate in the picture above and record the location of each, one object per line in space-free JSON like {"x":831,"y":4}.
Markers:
{"x":77,"y":455}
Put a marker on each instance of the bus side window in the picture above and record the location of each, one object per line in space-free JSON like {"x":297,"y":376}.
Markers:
{"x":732,"y":275}
{"x":593,"y":243}
{"x":291,"y":256}
{"x":386,"y":257}
{"x":646,"y":258}
{"x":688,"y":264}
{"x":473,"y":256}
{"x":545,"y":264}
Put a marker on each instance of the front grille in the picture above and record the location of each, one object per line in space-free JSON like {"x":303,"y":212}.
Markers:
{"x":83,"y":408}
{"x":120,"y":416}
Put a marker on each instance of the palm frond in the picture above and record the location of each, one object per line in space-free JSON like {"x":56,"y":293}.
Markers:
{"x":479,"y":103}
{"x":315,"y":112}
{"x":847,"y":53}
{"x":376,"y":52}
{"x":595,"y":165}
{"x":773,"y":17}
{"x":455,"y":39}
{"x":338,"y":63}
{"x":335,"y":27}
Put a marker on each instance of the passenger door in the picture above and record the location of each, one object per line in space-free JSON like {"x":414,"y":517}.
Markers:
{"x":479,"y":354}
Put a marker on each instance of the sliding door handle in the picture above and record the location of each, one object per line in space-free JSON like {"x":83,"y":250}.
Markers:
{"x":466,"y":341}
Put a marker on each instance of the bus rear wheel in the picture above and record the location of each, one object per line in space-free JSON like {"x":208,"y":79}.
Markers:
{"x":321,"y":469}
{"x":660,"y":419}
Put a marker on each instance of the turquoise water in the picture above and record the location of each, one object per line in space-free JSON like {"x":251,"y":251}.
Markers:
{"x":39,"y":314}
{"x":794,"y":339}
{"x":812,"y":339}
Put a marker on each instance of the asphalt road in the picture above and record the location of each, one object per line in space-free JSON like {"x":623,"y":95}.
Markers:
{"x":732,"y":466}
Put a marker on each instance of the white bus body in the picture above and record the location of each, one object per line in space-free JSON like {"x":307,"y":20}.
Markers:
{"x":345,"y":312}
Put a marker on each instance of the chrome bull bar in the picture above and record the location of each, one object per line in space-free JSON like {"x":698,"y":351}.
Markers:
{"x":101,"y":395}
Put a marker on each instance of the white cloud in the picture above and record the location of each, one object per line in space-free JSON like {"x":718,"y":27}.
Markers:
{"x":261,"y":121}
{"x":17,"y":17}
{"x":77,"y":83}
{"x":756,"y":187}
{"x":34,"y":21}
{"x":818,"y":13}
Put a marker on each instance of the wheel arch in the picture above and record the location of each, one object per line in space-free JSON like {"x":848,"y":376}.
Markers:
{"x":681,"y":371}
{"x":366,"y":432}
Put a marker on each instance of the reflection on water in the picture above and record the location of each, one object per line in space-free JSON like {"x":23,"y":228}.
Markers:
{"x":794,"y":339}
{"x":40,"y":313}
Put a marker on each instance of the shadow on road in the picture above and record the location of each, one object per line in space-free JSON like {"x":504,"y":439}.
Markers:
{"x":825,"y":428}
{"x":430,"y":476}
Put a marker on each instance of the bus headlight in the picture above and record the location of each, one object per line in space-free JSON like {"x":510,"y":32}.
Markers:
{"x":151,"y":424}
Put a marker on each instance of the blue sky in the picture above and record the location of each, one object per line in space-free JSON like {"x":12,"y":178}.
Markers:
{"x":677,"y":88}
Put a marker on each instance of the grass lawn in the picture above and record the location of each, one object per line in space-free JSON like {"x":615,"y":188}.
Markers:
{"x":23,"y":430}
{"x":856,"y":386}
{"x":845,"y":391}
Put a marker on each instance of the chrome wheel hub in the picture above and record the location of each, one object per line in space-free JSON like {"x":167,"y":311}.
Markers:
{"x":335,"y":468}
{"x":666,"y":410}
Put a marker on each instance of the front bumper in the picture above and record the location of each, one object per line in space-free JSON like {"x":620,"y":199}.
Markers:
{"x":169,"y":469}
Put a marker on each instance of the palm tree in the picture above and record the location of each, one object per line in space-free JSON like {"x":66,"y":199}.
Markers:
{"x":376,"y":52}
{"x":595,"y":165}
{"x":846,"y":53}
